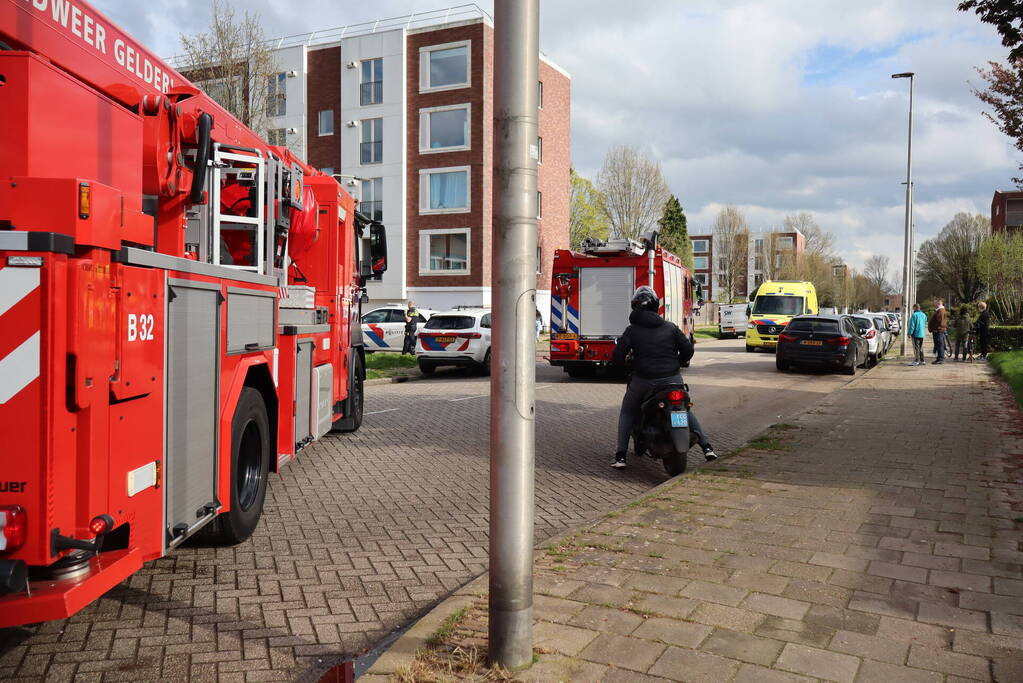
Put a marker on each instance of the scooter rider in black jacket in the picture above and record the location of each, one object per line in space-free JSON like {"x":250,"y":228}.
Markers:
{"x":659,"y":349}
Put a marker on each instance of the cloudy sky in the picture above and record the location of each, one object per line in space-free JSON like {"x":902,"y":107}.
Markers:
{"x":776,"y":106}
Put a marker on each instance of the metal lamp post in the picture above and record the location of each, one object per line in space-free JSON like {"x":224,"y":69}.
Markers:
{"x":907,"y":264}
{"x":512,"y":384}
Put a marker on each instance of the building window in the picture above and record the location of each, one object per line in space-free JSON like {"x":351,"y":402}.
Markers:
{"x":444,"y":190}
{"x":444,"y":129}
{"x":722,"y":281}
{"x":539,"y":149}
{"x":701,"y":278}
{"x":539,"y":205}
{"x":444,"y":67}
{"x":758,"y":263}
{"x":372,"y":148}
{"x":722,"y":263}
{"x":758,"y":244}
{"x":700,"y":246}
{"x":371,"y":87}
{"x":277,"y":137}
{"x":329,"y":170}
{"x":700,"y":262}
{"x":539,"y":94}
{"x":371,"y":204}
{"x":326,"y":122}
{"x":785,"y":242}
{"x":276,"y":94}
{"x":444,"y":252}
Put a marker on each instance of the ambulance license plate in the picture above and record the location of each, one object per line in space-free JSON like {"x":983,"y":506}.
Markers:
{"x":444,"y":340}
{"x":679,"y":418}
{"x":566,"y":335}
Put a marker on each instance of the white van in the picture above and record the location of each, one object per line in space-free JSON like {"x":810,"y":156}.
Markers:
{"x":732,"y":320}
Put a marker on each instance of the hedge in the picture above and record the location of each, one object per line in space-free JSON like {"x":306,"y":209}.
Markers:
{"x":1006,"y":337}
{"x":1010,"y":366}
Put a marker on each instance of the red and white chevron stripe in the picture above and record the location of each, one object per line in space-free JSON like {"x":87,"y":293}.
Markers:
{"x":19,"y":320}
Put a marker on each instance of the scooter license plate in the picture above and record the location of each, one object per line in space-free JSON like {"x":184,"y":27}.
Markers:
{"x":679,"y":419}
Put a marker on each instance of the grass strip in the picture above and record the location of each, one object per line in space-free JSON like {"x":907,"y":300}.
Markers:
{"x":1009,"y":364}
{"x":379,"y":365}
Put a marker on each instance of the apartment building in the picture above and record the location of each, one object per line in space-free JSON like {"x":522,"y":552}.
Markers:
{"x":767,"y":253}
{"x":402,"y":111}
{"x":1006,"y":211}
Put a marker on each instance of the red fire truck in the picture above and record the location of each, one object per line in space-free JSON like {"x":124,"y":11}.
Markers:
{"x":179,"y":306}
{"x":591,"y":294}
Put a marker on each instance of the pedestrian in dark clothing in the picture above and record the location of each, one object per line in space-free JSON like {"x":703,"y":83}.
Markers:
{"x":411,"y":318}
{"x":983,"y":327}
{"x":961,"y":332}
{"x":938,"y":327}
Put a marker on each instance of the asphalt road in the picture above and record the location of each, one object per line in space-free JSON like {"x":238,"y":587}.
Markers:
{"x":365,"y":532}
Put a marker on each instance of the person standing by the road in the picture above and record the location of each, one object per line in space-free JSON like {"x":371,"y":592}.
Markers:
{"x":938,"y":327}
{"x":915,"y":331}
{"x":411,"y":316}
{"x":961,"y":332}
{"x":539,"y":324}
{"x":983,"y":327}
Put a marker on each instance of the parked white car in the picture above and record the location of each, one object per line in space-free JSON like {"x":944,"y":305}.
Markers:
{"x":867,"y":326}
{"x":459,"y":337}
{"x":383,"y":329}
{"x":895,"y":320}
{"x":885,"y":329}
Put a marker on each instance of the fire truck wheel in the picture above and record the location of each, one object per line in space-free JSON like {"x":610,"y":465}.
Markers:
{"x":353,"y":423}
{"x":250,"y":463}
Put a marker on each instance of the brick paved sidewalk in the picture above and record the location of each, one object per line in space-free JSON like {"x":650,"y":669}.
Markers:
{"x":876,"y":538}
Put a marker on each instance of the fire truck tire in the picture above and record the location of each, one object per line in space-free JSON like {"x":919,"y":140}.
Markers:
{"x":353,"y":421}
{"x":250,"y":465}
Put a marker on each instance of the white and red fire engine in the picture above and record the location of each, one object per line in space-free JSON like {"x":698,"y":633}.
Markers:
{"x":591,"y":294}
{"x":178,"y":310}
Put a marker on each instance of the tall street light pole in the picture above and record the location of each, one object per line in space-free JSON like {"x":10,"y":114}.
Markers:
{"x":513,"y":366}
{"x":907,"y":261}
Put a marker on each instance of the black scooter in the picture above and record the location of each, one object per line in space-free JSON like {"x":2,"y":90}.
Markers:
{"x":662,"y":431}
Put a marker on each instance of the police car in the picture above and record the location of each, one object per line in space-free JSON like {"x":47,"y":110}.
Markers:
{"x":460,"y":337}
{"x":383,"y":329}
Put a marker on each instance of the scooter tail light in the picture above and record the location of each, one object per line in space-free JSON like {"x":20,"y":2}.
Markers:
{"x":13,"y":527}
{"x":676,"y":396}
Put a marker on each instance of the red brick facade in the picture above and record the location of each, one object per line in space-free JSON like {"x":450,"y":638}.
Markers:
{"x":324,"y":92}
{"x":323,"y":88}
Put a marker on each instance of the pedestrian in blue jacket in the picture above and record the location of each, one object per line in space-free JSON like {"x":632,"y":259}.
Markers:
{"x":917,"y":330}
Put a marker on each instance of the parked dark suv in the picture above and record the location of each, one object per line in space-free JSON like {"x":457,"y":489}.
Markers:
{"x":822,"y":341}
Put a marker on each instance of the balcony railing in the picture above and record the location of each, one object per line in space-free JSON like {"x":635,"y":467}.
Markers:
{"x":371,"y":92}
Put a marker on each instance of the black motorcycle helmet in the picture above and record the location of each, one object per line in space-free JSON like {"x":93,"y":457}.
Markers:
{"x":645,"y":299}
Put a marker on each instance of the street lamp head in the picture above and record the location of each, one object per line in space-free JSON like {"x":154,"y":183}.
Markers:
{"x":907,"y":74}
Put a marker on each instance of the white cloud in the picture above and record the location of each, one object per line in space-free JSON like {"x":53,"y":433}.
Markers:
{"x":773,"y":105}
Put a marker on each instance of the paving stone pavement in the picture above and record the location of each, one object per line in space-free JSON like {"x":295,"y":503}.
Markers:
{"x":877,"y":537}
{"x":366,"y":532}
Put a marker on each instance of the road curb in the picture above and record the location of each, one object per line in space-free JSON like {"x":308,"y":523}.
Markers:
{"x":403,"y":651}
{"x":400,"y":379}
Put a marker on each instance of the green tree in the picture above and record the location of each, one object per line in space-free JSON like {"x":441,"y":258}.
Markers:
{"x":1001,"y":266}
{"x":1007,"y":18}
{"x":674,"y":234}
{"x":951,"y":258}
{"x":585,"y":217}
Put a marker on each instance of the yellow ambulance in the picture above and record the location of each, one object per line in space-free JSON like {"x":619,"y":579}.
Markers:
{"x":772,"y":306}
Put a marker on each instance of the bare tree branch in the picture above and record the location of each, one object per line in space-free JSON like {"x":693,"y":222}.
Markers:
{"x":634,"y":191}
{"x":731,"y":240}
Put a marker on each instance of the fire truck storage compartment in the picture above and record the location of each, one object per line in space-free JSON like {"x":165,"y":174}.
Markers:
{"x":193,"y":343}
{"x":303,"y":390}
{"x":323,"y":387}
{"x":605,"y":296}
{"x":250,"y":320}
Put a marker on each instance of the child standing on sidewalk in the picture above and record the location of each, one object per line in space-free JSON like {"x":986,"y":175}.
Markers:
{"x":916,"y":330}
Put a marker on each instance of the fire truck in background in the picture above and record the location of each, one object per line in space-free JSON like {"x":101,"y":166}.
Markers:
{"x":591,"y":297}
{"x":179,"y":310}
